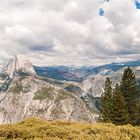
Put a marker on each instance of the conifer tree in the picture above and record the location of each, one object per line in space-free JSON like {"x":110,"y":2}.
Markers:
{"x":106,"y":102}
{"x":119,"y":113}
{"x":130,"y":93}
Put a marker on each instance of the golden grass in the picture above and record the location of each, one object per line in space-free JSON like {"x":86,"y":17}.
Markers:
{"x":36,"y":129}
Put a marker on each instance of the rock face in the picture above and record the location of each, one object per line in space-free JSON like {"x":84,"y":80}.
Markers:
{"x":93,"y":85}
{"x":28,"y":95}
{"x":20,"y":64}
{"x":33,"y":97}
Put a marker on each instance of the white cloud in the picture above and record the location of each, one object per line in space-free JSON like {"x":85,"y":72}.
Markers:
{"x":69,"y":32}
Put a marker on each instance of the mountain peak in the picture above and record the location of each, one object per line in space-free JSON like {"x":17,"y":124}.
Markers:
{"x":20,"y":64}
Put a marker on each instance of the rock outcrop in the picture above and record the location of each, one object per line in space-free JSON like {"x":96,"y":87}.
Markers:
{"x":19,"y":65}
{"x":29,"y":97}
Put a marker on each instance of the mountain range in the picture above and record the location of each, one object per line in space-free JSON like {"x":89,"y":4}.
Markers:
{"x":55,"y":93}
{"x":80,"y":73}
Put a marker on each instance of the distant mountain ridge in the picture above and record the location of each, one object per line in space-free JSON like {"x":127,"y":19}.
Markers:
{"x":78,"y":74}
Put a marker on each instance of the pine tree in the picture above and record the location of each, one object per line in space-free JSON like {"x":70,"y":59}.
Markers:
{"x":106,"y":102}
{"x":119,"y":113}
{"x":129,"y":91}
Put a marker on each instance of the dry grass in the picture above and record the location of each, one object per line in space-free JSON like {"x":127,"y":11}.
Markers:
{"x":36,"y":129}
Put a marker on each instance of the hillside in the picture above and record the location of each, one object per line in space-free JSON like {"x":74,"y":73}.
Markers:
{"x":25,"y":94}
{"x":37,"y":129}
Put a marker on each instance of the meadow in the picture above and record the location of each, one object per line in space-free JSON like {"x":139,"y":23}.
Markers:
{"x":37,"y":129}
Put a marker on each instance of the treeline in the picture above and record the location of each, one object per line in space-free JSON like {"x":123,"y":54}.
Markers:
{"x":121,"y":105}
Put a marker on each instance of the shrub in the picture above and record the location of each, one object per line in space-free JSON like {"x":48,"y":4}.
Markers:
{"x":37,"y":129}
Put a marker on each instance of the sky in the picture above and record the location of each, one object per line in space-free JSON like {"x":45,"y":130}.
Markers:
{"x":70,"y":32}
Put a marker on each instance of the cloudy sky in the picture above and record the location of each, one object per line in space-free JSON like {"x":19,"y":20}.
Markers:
{"x":70,"y":32}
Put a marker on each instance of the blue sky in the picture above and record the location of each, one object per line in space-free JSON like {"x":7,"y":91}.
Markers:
{"x":70,"y":32}
{"x":101,"y":12}
{"x":137,"y":3}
